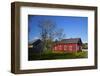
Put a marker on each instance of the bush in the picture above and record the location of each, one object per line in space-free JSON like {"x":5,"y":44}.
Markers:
{"x":81,"y":54}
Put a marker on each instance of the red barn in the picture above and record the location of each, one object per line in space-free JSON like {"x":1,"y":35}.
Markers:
{"x":68,"y":45}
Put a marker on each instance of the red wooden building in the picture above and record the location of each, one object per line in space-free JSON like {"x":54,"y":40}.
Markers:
{"x":68,"y":45}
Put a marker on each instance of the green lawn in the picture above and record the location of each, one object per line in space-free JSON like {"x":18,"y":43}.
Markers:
{"x":51,"y":56}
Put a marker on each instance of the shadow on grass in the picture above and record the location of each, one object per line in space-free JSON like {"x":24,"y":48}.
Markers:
{"x":52,"y":56}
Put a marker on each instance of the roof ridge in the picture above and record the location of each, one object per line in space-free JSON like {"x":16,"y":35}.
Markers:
{"x":71,"y":38}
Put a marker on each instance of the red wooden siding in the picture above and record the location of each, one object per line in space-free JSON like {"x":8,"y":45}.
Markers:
{"x":71,"y":47}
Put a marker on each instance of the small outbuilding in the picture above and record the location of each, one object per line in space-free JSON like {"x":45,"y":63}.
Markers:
{"x":34,"y":48}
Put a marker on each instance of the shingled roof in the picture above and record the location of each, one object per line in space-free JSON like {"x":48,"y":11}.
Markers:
{"x":71,"y":40}
{"x":35,"y":42}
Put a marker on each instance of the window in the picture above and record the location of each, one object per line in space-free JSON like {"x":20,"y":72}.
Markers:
{"x":65,"y":47}
{"x":55,"y":48}
{"x":70,"y":47}
{"x":60,"y":47}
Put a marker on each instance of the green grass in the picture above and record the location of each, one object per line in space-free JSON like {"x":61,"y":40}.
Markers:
{"x":51,"y":56}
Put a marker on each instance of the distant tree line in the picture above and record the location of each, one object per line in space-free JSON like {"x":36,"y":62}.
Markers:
{"x":85,"y":46}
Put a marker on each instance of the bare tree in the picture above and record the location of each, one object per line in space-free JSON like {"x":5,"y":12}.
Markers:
{"x":47,"y":28}
{"x":59,"y":34}
{"x":48,"y":31}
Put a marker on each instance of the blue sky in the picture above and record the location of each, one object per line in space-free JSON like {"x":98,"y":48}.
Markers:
{"x":74,"y":27}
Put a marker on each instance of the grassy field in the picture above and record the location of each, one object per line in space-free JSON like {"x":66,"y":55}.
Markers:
{"x":51,"y":56}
